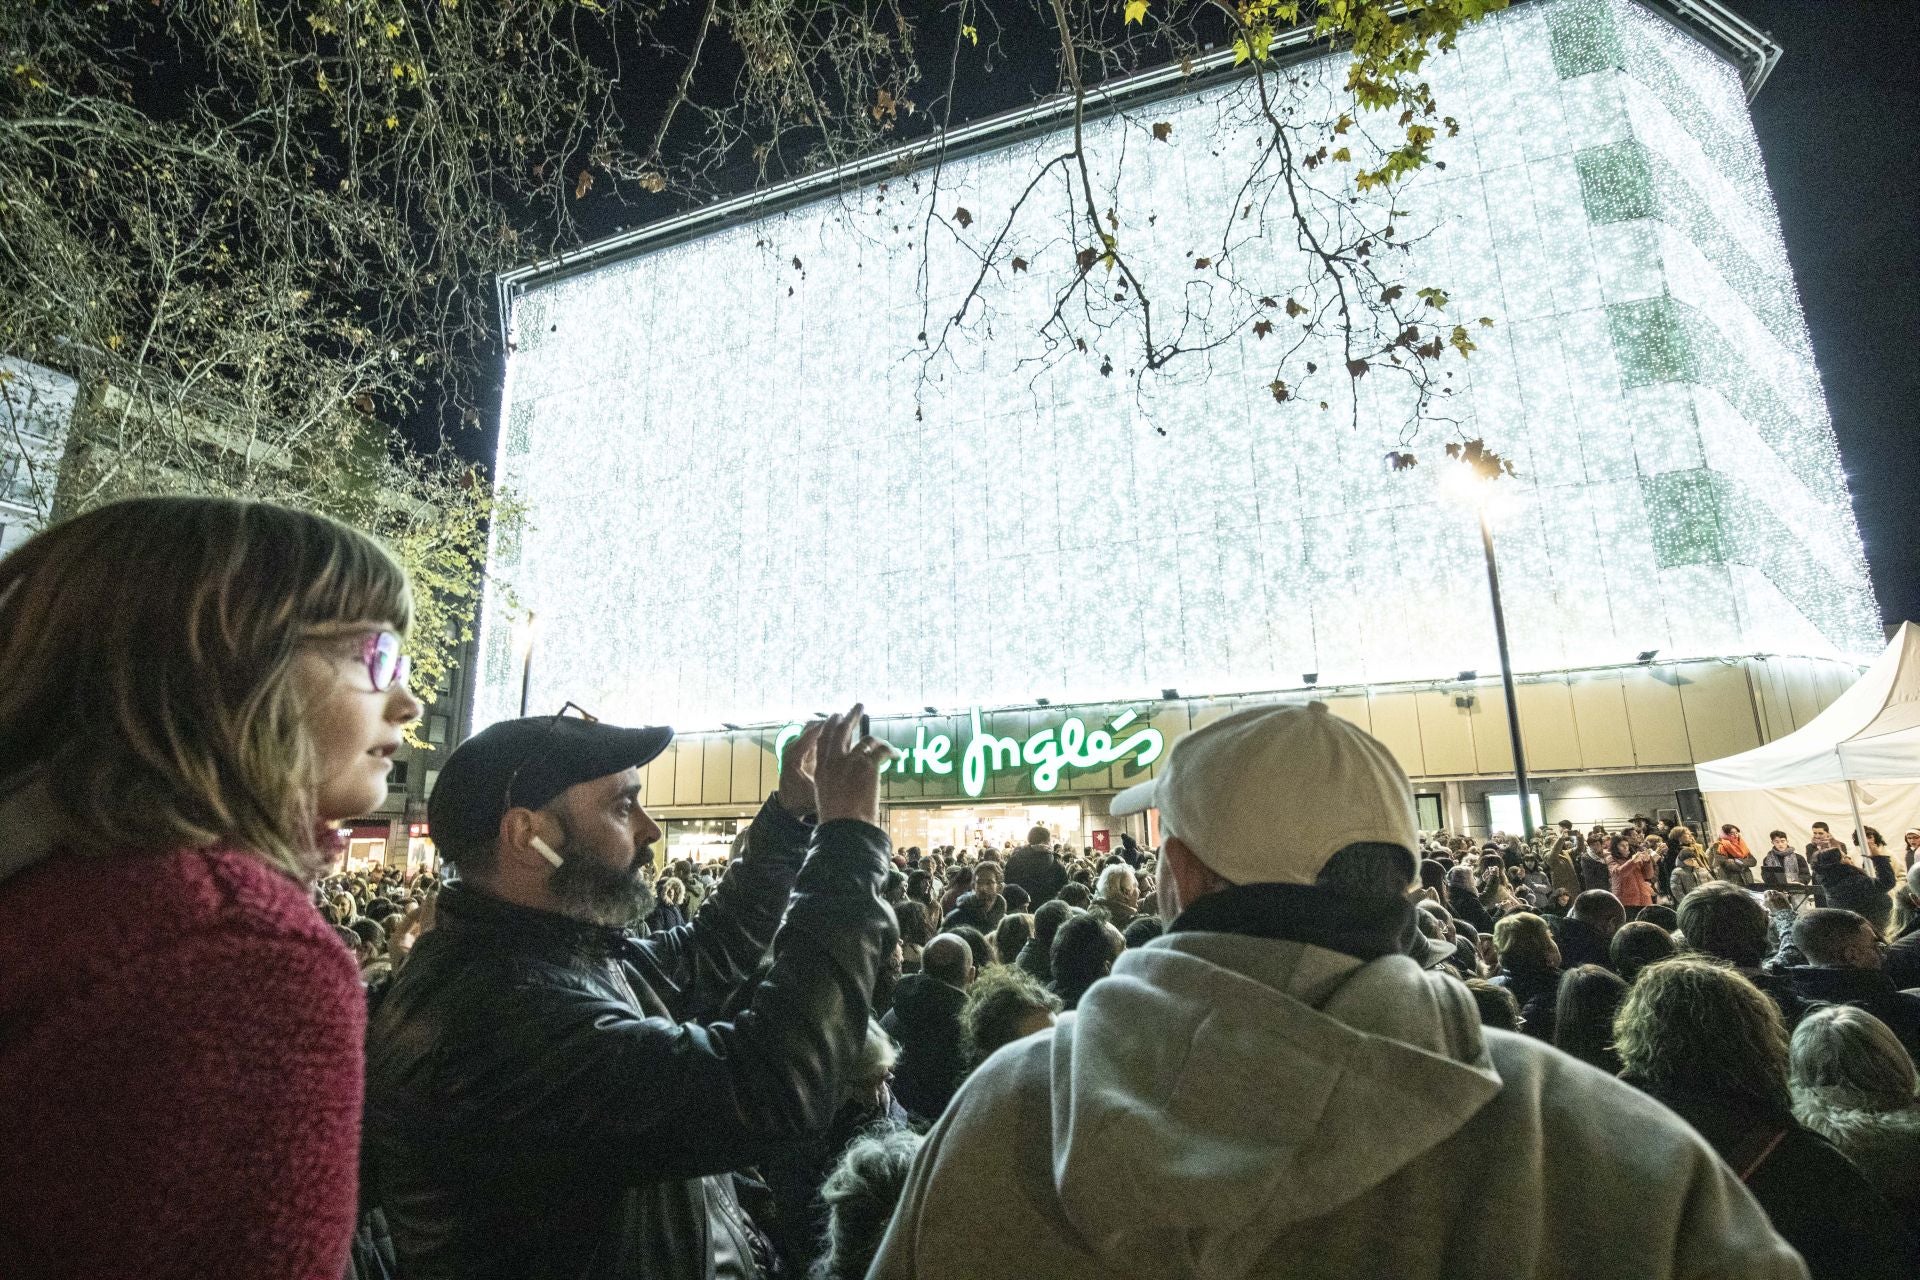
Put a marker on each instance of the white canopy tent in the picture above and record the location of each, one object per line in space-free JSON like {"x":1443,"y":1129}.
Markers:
{"x":1856,"y":763}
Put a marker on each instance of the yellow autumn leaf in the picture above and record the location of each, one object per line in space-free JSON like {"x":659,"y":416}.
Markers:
{"x":1343,"y":154}
{"x":1136,"y":11}
{"x":393,"y":121}
{"x":972,"y":35}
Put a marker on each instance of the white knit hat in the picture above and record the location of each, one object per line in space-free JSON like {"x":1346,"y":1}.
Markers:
{"x":1268,"y":795}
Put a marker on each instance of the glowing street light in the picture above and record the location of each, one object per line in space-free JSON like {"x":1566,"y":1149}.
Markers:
{"x":1472,"y":477}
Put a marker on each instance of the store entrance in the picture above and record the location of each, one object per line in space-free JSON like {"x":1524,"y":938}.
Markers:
{"x":981,"y":826}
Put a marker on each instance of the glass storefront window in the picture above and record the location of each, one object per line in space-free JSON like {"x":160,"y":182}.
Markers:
{"x":996,"y":826}
{"x":701,"y":840}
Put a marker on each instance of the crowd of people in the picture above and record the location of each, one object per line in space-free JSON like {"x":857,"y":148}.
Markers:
{"x":1298,"y":1037}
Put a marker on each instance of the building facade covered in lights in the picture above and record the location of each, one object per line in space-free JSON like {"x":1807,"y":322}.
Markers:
{"x":754,"y":495}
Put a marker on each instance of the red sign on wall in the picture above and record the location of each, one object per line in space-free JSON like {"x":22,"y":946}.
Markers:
{"x":1102,"y":840}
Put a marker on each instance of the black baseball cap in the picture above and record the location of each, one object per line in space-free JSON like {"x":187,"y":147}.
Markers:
{"x":540,"y":757}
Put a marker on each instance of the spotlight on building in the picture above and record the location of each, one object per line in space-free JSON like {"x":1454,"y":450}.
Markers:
{"x":1469,"y":675}
{"x":1169,"y":695}
{"x":1464,"y":702}
{"x":1043,"y":702}
{"x":725,"y":725}
{"x":1310,"y":678}
{"x":933,"y":711}
{"x":1648,"y":655}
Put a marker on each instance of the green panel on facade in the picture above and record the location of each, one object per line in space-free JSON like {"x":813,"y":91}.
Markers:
{"x":1650,"y":343}
{"x":1683,"y":509}
{"x":1705,"y":517}
{"x":1583,"y":38}
{"x":1616,"y":184}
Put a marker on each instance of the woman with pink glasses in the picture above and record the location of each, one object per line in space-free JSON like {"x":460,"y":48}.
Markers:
{"x":194,"y":693}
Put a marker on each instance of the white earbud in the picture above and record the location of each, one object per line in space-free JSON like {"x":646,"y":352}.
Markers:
{"x":546,"y":851}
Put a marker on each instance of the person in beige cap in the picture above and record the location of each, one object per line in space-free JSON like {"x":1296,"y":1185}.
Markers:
{"x":1278,"y":1087}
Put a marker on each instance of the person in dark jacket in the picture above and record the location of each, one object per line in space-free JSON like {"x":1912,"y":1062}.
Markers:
{"x":1847,"y":887}
{"x":925,"y":1022}
{"x":1706,"y":1042}
{"x":1130,"y":851}
{"x":1463,"y":900}
{"x":1530,"y":969}
{"x":794,"y":1175}
{"x":1592,"y":864}
{"x":1036,"y":957}
{"x":1585,"y":935}
{"x":670,"y":911}
{"x":1583,"y":1015}
{"x":1035,"y":868}
{"x":1844,"y":967}
{"x":1903,"y":953}
{"x":984,"y":906}
{"x":548,"y":1095}
{"x":1083,"y":953}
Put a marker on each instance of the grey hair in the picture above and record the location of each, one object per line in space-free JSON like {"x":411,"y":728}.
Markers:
{"x":876,"y":1059}
{"x":860,"y":1195}
{"x":1112,"y":876}
{"x":1848,"y":1058}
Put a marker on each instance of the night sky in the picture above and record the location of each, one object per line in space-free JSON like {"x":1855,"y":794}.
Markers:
{"x":1839,"y":126}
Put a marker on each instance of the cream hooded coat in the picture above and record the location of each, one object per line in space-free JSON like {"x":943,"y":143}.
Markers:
{"x":1228,"y":1106}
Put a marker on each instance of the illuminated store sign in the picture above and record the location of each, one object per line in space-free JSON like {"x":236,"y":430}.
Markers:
{"x":1047,"y":753}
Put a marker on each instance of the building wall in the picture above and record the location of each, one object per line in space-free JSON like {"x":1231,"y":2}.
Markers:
{"x":1595,"y":740}
{"x":752,"y":492}
{"x":36,"y":408}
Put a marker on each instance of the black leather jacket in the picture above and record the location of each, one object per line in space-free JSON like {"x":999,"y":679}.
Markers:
{"x":548,"y":1098}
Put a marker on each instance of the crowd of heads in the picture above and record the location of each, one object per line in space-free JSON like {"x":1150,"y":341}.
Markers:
{"x":1680,"y":965}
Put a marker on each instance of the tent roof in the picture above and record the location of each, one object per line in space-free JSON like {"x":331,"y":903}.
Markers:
{"x":1871,"y":731}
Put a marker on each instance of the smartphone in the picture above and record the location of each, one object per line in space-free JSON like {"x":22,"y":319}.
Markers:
{"x":866,"y":727}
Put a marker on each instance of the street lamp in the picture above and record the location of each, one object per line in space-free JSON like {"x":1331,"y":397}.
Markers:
{"x":525,"y":630}
{"x":1472,"y":479}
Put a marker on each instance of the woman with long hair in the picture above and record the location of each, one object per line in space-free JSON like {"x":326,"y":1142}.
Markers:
{"x":1709,"y":1044}
{"x":194,"y":693}
{"x":1631,"y":875}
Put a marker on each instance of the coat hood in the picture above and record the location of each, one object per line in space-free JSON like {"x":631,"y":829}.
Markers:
{"x":1218,"y":1089}
{"x":921,"y":1003}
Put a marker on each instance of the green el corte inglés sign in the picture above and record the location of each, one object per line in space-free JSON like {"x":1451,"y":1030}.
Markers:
{"x":1048,"y":753}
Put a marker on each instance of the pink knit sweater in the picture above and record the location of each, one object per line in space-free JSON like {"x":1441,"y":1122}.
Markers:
{"x":180,"y":1071}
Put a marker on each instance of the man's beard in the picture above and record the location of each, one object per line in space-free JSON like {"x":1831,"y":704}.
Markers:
{"x":587,"y":889}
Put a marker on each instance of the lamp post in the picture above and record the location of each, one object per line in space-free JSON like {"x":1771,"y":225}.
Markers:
{"x":1474,"y":476}
{"x":523,"y":640}
{"x":1506,"y":675}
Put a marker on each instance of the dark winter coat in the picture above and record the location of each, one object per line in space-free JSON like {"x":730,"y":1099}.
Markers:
{"x":1036,"y":961}
{"x":1581,"y":943}
{"x":1869,"y":989}
{"x":1537,"y":990}
{"x":550,"y":1099}
{"x":925,"y":1022}
{"x":1035,"y":868}
{"x":1902,"y":963}
{"x":1848,"y":888}
{"x":972,"y":910}
{"x":1824,"y":1206}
